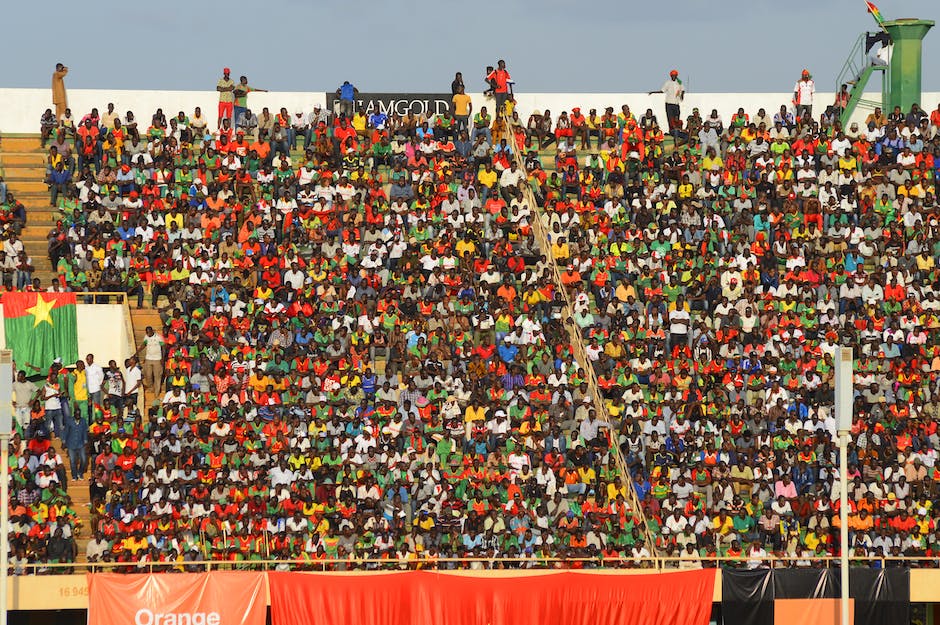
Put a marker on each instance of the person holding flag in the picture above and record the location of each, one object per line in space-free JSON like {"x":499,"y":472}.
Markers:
{"x":875,"y":13}
{"x":882,"y":55}
{"x":674,"y":92}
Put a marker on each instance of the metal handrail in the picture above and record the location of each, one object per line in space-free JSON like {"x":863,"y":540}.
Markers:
{"x":854,"y":64}
{"x":577,"y":342}
{"x":648,"y":563}
{"x":120,"y":297}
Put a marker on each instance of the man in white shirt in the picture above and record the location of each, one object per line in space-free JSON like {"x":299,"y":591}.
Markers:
{"x":510,"y":178}
{"x":153,"y":360}
{"x":133,"y":377}
{"x":803,"y":93}
{"x":294,"y":277}
{"x":674,"y":92}
{"x":94,"y":378}
{"x":679,"y":323}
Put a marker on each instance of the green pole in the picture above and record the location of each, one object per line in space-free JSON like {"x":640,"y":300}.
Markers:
{"x":904,"y":80}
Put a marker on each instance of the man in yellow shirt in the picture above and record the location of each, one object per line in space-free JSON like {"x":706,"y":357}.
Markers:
{"x":723,"y":527}
{"x":474,"y":413}
{"x":360,"y":123}
{"x":487,"y":178}
{"x":560,"y":250}
{"x":79,"y":390}
{"x":463,"y":107}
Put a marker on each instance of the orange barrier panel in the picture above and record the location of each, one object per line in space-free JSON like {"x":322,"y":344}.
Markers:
{"x":422,"y":597}
{"x":216,"y":598}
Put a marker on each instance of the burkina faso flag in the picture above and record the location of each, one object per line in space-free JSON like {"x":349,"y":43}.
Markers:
{"x":40,"y":327}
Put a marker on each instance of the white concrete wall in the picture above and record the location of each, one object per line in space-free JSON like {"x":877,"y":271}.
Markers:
{"x":101,"y":331}
{"x":20,"y":109}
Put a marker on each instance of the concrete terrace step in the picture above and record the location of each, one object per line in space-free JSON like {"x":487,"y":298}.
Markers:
{"x":15,"y":159}
{"x":30,"y":185}
{"x":78,"y":491}
{"x":29,"y":173}
{"x":23,"y":162}
{"x":21,"y":144}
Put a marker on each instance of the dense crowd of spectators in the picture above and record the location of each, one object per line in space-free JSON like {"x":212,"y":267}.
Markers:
{"x":364,"y":352}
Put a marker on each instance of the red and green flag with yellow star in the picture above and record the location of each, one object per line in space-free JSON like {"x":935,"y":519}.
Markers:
{"x":40,"y":327}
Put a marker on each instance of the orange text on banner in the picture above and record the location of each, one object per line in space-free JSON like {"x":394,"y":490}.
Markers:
{"x":216,"y":598}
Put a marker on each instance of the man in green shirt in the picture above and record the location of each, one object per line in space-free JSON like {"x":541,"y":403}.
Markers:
{"x":240,"y":93}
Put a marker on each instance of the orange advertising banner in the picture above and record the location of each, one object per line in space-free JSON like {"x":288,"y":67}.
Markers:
{"x":216,"y":598}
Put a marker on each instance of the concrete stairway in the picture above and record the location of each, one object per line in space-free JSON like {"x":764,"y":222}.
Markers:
{"x":23,"y":163}
{"x":141,"y":318}
{"x":78,"y":491}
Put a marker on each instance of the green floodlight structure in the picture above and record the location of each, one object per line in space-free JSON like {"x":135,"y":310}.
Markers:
{"x":898,"y":60}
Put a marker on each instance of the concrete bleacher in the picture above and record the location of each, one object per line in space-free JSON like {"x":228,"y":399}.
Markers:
{"x":23,"y":162}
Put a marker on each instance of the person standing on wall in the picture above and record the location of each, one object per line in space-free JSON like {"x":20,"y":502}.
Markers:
{"x":242,"y":89}
{"x":674,"y":92}
{"x":803,"y":93}
{"x":462,"y":109}
{"x":226,"y":89}
{"x":457,"y":84}
{"x":347,"y":93}
{"x":59,"y":98}
{"x":502,"y":84}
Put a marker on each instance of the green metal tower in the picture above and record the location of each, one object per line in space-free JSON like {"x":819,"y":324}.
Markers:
{"x":904,"y":72}
{"x":900,"y":76}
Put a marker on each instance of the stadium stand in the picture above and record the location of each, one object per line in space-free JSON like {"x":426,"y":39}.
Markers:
{"x":576,"y":341}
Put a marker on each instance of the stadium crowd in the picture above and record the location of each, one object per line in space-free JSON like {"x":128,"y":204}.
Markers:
{"x":364,"y":352}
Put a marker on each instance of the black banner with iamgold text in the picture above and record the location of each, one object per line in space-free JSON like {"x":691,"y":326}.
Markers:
{"x":422,"y":104}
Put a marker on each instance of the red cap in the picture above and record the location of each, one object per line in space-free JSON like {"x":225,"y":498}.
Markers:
{"x":226,"y":70}
{"x":674,"y":72}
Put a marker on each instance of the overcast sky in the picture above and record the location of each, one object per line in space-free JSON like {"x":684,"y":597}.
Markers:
{"x":416,"y":46}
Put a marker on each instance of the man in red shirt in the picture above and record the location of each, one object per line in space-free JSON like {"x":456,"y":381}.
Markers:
{"x":503,"y":82}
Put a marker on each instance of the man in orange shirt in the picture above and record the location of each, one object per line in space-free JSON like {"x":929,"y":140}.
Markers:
{"x":502,"y":82}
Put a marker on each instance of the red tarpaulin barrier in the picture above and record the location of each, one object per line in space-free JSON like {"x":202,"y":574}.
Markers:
{"x":217,"y":598}
{"x":424,"y":598}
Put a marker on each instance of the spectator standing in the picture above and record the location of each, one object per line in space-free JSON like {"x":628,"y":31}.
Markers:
{"x":674,"y":92}
{"x":24,"y":392}
{"x":463,"y":107}
{"x":94,"y":379}
{"x":59,"y":98}
{"x":502,"y":84}
{"x":133,"y":380}
{"x":803,"y":93}
{"x":75,"y":438}
{"x":457,"y":84}
{"x":153,"y":360}
{"x":347,"y":93}
{"x":242,"y":89}
{"x":52,"y":403}
{"x":226,"y":89}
